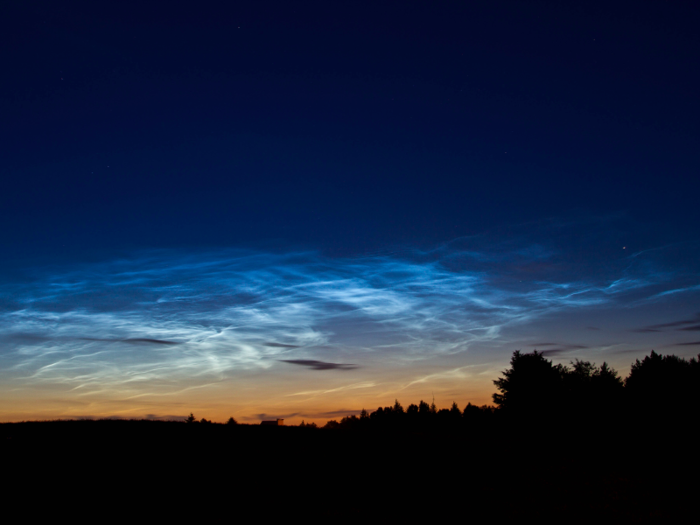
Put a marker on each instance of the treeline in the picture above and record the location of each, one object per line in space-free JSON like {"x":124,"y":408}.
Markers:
{"x":421,"y":415}
{"x":536,"y":390}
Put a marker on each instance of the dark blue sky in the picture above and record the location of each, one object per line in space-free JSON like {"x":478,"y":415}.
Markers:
{"x":350,"y":127}
{"x":543,"y":150}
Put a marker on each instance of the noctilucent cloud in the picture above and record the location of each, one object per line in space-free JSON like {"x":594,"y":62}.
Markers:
{"x":303,"y":335}
{"x":299,"y":210}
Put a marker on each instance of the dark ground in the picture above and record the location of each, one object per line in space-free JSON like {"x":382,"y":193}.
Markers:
{"x":223,"y":473}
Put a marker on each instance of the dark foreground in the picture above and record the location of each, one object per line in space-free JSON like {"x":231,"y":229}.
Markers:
{"x":211,"y":472}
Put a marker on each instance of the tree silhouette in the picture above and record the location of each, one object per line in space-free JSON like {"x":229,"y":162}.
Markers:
{"x":191,"y":418}
{"x":531,"y":384}
{"x":350,"y":422}
{"x":470,"y":411}
{"x":607,"y":387}
{"x":423,"y":408}
{"x":231,"y":421}
{"x":664,"y":384}
{"x":590,"y":391}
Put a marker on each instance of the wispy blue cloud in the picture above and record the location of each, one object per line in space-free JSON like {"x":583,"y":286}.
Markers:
{"x":164,"y":321}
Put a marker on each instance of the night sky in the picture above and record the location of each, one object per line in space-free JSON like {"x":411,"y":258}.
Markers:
{"x":303,"y":209}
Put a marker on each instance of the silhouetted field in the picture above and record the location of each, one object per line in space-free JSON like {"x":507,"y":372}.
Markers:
{"x":507,"y":470}
{"x":629,"y":461}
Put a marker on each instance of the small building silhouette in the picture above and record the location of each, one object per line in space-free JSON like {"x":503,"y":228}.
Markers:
{"x":273,"y":422}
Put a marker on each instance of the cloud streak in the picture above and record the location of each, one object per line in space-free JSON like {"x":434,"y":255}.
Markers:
{"x":135,"y":340}
{"x":319,"y":365}
{"x":676,"y":325}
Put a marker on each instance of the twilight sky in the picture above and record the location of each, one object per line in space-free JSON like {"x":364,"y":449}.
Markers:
{"x":297,"y":210}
